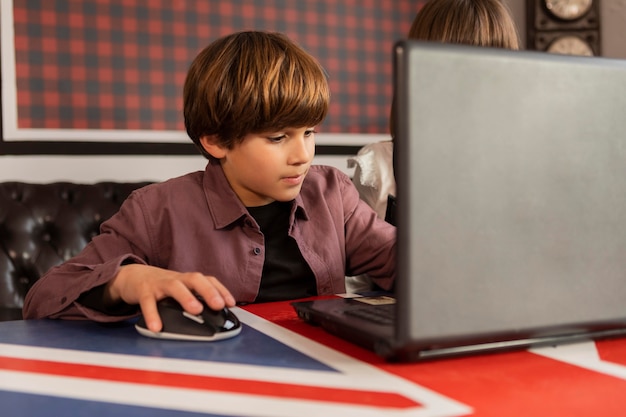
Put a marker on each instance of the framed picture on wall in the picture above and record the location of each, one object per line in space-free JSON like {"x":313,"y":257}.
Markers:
{"x":93,"y":77}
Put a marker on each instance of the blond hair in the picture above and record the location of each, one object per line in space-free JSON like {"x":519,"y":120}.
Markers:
{"x":252,"y":82}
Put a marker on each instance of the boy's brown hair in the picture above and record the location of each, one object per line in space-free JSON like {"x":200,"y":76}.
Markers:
{"x":252,"y":82}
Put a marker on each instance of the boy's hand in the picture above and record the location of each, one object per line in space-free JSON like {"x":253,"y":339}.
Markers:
{"x":145,"y":285}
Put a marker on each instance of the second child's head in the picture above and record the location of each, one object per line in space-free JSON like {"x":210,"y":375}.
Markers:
{"x":252,"y":82}
{"x":471,"y":22}
{"x":483,"y":23}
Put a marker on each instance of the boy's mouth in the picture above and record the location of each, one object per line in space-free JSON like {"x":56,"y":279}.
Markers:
{"x":294,"y":179}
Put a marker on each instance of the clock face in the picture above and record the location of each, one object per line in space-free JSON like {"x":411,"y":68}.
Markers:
{"x":568,"y":9}
{"x":570,"y":45}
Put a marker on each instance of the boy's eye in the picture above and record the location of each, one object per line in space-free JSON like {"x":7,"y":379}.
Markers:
{"x":277,"y":138}
{"x":281,"y":136}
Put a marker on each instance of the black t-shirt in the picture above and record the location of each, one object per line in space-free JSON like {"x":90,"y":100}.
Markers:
{"x":286,"y":275}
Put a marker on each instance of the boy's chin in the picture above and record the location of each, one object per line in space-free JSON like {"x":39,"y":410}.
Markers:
{"x":287,"y":196}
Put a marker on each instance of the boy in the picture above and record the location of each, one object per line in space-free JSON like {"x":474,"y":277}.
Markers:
{"x":259,"y":224}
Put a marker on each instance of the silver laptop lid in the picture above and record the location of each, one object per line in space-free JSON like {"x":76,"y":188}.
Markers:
{"x":511,"y":170}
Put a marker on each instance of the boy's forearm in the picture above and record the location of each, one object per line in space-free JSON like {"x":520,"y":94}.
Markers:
{"x":61,"y":292}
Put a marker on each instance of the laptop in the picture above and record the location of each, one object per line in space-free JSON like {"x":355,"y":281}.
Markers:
{"x":511,"y":205}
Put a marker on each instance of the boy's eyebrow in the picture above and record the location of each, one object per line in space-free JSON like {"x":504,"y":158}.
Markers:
{"x":284,"y":130}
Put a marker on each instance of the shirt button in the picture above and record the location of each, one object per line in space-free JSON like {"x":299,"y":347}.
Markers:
{"x":257,"y":251}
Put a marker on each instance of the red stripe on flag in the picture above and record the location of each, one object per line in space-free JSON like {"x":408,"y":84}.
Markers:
{"x":512,"y":384}
{"x":210,"y":383}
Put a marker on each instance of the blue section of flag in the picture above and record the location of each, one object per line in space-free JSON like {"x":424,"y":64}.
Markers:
{"x":19,"y":404}
{"x":250,"y":347}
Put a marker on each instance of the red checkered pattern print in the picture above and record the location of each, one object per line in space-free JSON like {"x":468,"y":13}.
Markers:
{"x":121,"y":64}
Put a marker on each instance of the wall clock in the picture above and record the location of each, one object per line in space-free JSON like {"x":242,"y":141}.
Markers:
{"x":563,"y":26}
{"x":570,"y":45}
{"x":568,"y":9}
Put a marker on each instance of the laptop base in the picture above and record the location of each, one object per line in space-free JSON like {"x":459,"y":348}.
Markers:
{"x":380,"y":338}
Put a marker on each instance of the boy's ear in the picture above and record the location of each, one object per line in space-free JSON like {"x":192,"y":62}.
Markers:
{"x":212,"y":147}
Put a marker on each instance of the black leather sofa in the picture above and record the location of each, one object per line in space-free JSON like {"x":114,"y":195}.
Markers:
{"x":42,"y":225}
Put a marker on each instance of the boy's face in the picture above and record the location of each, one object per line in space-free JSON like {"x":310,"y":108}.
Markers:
{"x":268,"y":167}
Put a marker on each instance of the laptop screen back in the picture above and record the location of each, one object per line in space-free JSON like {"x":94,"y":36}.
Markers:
{"x":511,"y":201}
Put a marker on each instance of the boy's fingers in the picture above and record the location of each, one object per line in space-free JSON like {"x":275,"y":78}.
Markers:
{"x":212,"y":297}
{"x":184,"y":295}
{"x":223,"y":292}
{"x":150,"y":314}
{"x":214,"y":293}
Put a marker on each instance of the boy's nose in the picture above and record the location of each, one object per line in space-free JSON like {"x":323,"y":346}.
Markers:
{"x":302,"y":150}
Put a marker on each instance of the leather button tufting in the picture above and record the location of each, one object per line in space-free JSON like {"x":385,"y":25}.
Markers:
{"x":43,"y":224}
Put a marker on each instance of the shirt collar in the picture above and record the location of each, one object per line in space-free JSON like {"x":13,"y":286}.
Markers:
{"x":301,"y":211}
{"x":224,"y":205}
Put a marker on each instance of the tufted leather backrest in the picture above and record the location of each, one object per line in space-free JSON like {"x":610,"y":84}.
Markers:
{"x":42,"y":225}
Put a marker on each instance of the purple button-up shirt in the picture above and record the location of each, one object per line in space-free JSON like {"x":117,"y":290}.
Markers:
{"x":197,"y":223}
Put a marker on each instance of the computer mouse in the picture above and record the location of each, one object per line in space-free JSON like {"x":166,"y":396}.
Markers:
{"x":210,"y":325}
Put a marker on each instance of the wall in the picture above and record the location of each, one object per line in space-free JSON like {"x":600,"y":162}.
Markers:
{"x":131,"y":168}
{"x":113,"y":168}
{"x":613,"y":15}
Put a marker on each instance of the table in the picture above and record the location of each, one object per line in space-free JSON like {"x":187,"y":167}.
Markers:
{"x":280,"y":366}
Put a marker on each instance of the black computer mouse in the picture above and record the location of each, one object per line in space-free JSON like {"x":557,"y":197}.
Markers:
{"x":210,"y":325}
